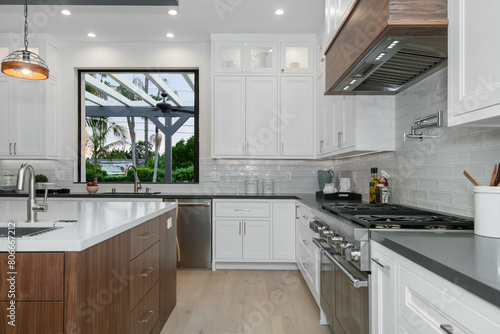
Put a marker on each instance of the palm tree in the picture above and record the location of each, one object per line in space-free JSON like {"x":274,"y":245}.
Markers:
{"x":156,"y":138}
{"x":101,"y":128}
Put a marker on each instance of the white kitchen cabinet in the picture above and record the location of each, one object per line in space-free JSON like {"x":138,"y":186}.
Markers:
{"x":283,"y":226}
{"x":473,"y":71}
{"x":29,"y":107}
{"x":336,"y":11}
{"x":361,"y":125}
{"x":238,"y":239}
{"x":246,"y":57}
{"x":297,"y":117}
{"x":407,"y":298}
{"x":382,"y":293}
{"x":253,"y":233}
{"x":245,"y":116}
{"x":297,"y":57}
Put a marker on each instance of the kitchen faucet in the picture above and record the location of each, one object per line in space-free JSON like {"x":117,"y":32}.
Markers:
{"x":137,"y":183}
{"x":33,"y":208}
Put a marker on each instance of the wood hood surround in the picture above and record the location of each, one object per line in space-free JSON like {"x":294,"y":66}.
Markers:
{"x":370,"y":21}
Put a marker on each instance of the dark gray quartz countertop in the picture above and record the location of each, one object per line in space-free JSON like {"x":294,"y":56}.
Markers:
{"x":463,"y":258}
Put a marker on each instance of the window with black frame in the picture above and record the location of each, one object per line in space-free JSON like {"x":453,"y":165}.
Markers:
{"x":144,"y":118}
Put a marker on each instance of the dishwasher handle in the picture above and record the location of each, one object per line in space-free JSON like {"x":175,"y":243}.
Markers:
{"x":192,"y":204}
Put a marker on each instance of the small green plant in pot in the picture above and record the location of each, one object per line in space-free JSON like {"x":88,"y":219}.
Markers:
{"x":40,"y":178}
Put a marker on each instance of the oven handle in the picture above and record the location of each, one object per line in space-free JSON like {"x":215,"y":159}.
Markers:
{"x":356,"y":282}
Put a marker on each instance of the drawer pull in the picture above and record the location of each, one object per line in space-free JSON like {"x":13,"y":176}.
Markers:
{"x":305,"y":242}
{"x":150,"y":315}
{"x":147,"y":235}
{"x":147,"y":272}
{"x":380,"y":264}
{"x":246,"y":210}
{"x":447,"y":329}
{"x":305,"y":265}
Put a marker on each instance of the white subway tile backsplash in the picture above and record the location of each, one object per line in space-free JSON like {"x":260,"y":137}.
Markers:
{"x":440,"y":198}
{"x":440,"y":172}
{"x":428,"y":184}
{"x":417,"y":195}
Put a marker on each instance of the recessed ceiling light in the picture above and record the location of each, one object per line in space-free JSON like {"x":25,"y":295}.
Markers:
{"x":91,"y":34}
{"x":279,"y":12}
{"x":65,"y":12}
{"x":172,"y":12}
{"x":170,"y":35}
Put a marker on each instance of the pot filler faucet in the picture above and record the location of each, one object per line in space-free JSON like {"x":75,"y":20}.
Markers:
{"x":137,"y":183}
{"x":33,"y":208}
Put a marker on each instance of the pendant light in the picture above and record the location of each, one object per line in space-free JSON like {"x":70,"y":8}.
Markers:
{"x":25,"y":64}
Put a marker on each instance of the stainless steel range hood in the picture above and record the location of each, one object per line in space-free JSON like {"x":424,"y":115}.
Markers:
{"x":386,"y":46}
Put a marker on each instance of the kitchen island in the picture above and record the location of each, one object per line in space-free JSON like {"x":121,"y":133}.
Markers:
{"x":111,"y":271}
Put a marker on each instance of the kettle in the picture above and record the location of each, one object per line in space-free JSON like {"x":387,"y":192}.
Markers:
{"x":324,"y":176}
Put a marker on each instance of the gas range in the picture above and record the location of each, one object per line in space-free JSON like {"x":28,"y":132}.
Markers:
{"x":397,"y":216}
{"x":347,"y":229}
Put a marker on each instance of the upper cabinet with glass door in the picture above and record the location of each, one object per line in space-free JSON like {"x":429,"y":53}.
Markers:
{"x":246,"y":57}
{"x":297,"y":57}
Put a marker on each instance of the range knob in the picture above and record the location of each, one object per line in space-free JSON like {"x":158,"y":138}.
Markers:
{"x":334,"y":239}
{"x":352,"y":254}
{"x":325,"y":232}
{"x":344,"y":246}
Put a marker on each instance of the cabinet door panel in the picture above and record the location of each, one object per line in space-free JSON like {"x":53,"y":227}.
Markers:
{"x":228,"y":239}
{"x":297,"y":116}
{"x":262,"y":116}
{"x":256,"y":239}
{"x":383,"y":296}
{"x":473,"y":76}
{"x":283,"y":230}
{"x":33,"y":318}
{"x":229,"y":116}
{"x":5,"y":113}
{"x":29,"y":124}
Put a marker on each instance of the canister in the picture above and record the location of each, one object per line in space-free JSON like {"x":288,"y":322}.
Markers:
{"x":268,"y":185}
{"x":487,"y":211}
{"x":251,"y":184}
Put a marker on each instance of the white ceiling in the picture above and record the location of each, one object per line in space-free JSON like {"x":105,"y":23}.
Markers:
{"x":194,"y":23}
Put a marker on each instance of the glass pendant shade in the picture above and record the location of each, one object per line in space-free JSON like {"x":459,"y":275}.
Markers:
{"x":25,"y":64}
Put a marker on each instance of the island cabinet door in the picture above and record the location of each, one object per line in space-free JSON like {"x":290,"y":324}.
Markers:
{"x":38,"y":293}
{"x":168,"y":265}
{"x":97,"y":284}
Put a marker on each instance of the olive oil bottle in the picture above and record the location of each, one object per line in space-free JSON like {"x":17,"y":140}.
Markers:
{"x":373,"y":185}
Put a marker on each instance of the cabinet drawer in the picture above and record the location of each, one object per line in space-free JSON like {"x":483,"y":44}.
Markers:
{"x":424,"y":307}
{"x":144,"y":317}
{"x":304,"y":237}
{"x":33,"y":318}
{"x":40,"y":276}
{"x":242,"y":209}
{"x":144,"y":236}
{"x":144,"y":273}
{"x":307,"y":264}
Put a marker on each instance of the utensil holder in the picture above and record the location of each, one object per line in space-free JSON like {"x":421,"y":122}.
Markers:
{"x":487,"y":211}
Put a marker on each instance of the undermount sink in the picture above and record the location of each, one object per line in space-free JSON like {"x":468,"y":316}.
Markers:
{"x":24,"y":232}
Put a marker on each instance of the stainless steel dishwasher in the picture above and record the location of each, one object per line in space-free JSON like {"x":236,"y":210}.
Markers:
{"x":194,"y":232}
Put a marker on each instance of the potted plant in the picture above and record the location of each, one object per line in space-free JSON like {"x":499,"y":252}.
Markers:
{"x":39,"y":179}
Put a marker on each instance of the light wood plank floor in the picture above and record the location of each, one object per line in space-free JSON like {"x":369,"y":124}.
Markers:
{"x":243,"y":301}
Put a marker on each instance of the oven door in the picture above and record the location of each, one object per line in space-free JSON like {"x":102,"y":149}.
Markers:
{"x":350,"y":297}
{"x":327,"y":289}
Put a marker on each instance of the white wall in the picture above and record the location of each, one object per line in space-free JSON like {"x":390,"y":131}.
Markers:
{"x":429,"y":174}
{"x":75,"y":56}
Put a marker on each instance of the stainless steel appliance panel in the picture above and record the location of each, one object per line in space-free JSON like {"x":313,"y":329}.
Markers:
{"x":194,"y":233}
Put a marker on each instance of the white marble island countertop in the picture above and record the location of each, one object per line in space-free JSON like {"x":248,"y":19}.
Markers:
{"x":96,"y":222}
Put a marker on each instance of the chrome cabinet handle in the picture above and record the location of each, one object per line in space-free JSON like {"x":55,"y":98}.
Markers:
{"x":239,"y":230}
{"x":380,"y":264}
{"x":282,"y":148}
{"x":10,"y":148}
{"x":321,"y":143}
{"x":245,"y":228}
{"x":147,"y":235}
{"x":244,"y":151}
{"x":340,"y":138}
{"x":248,"y":148}
{"x":147,"y":272}
{"x":246,"y":210}
{"x":305,"y":242}
{"x":15,"y":144}
{"x":447,"y":328}
{"x":146,"y":320}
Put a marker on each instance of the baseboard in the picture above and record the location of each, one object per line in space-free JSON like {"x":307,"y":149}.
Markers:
{"x":254,"y":266}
